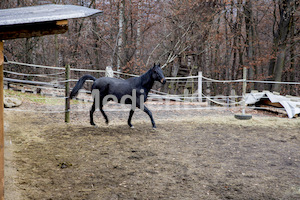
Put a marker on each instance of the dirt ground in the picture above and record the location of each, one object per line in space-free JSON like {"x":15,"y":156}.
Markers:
{"x":191,"y":155}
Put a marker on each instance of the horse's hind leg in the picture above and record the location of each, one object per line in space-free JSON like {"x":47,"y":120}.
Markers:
{"x":103,"y":113}
{"x":92,"y":114}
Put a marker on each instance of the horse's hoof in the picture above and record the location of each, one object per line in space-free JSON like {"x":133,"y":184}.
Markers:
{"x":132,"y":127}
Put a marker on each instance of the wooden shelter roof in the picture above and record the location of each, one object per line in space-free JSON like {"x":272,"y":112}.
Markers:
{"x":43,"y":13}
{"x":40,"y":20}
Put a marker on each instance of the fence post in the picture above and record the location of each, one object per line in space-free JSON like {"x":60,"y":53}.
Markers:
{"x":244,"y":89}
{"x":109,"y":72}
{"x":67,"y":91}
{"x":200,"y":86}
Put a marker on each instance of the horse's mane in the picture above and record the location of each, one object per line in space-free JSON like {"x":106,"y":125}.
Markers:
{"x":147,"y":80}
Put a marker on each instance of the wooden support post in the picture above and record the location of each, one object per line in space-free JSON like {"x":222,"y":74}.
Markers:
{"x":67,"y":92}
{"x":200,"y":86}
{"x":1,"y":124}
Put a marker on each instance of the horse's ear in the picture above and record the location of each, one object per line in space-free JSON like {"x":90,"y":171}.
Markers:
{"x":159,"y":64}
{"x":153,"y":67}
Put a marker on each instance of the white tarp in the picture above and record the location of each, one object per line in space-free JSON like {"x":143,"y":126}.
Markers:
{"x":290,"y":104}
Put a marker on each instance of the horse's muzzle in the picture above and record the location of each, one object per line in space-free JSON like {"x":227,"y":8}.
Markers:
{"x":163,"y":80}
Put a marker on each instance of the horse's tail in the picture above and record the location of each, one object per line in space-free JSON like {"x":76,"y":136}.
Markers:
{"x":80,"y":83}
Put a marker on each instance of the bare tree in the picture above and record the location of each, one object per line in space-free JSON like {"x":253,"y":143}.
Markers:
{"x":281,"y":39}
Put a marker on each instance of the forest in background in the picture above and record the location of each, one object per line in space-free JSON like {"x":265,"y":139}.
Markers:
{"x":217,"y":37}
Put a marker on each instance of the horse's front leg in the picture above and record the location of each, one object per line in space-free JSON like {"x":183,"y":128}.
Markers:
{"x":146,"y":110}
{"x":129,"y":118}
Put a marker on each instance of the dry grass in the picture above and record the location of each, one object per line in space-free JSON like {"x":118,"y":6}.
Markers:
{"x":255,"y":121}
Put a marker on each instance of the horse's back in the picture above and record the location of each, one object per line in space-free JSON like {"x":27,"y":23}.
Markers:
{"x":113,"y":86}
{"x":103,"y":81}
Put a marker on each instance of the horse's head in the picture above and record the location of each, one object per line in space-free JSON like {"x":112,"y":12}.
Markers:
{"x":158,"y":74}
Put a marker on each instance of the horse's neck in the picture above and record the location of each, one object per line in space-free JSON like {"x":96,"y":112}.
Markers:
{"x":147,"y":80}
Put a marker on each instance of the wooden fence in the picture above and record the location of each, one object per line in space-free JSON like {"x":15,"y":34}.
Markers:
{"x":61,"y":79}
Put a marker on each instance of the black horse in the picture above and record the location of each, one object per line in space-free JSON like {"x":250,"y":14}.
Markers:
{"x":132,"y":91}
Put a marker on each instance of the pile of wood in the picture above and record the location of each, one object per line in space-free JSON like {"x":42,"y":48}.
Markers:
{"x":274,"y":102}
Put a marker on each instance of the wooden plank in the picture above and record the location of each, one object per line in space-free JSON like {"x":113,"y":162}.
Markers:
{"x":273,"y":109}
{"x":1,"y":124}
{"x":269,"y":103}
{"x":62,"y":22}
{"x":33,"y":30}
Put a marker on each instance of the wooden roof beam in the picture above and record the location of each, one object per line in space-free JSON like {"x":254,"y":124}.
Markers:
{"x":33,"y":29}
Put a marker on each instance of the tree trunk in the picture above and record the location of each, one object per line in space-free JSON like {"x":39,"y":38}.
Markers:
{"x":279,"y":67}
{"x":292,"y":75}
{"x":284,"y":26}
{"x":227,"y":49}
{"x":120,"y":34}
{"x":138,"y":39}
{"x":250,"y":39}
